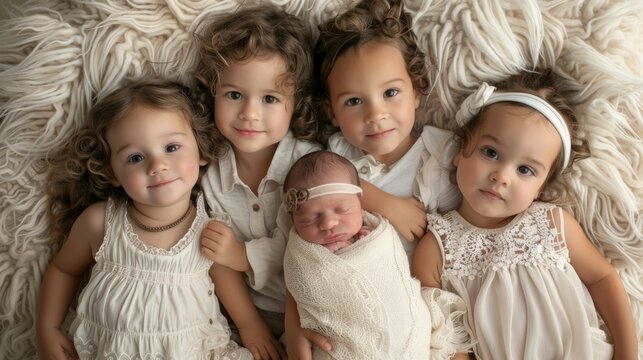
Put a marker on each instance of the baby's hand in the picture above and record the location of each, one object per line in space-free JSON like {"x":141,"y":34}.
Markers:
{"x":260,"y":342}
{"x":55,"y":345}
{"x":219,"y":244}
{"x":407,"y":215}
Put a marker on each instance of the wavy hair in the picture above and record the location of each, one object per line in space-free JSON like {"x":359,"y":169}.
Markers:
{"x":259,"y":31}
{"x":79,"y":174}
{"x":370,"y":20}
{"x":545,"y":84}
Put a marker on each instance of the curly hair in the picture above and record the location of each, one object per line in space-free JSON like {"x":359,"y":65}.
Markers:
{"x":370,"y":20}
{"x":259,"y":31}
{"x":545,"y":84}
{"x":79,"y":174}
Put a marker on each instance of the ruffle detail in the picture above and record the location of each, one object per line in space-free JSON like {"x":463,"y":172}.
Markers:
{"x":448,"y":332}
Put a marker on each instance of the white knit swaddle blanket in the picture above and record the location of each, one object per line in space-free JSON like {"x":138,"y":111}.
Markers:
{"x":361,"y":297}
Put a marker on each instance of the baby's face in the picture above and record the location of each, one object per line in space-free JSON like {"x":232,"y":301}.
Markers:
{"x":329,"y":220}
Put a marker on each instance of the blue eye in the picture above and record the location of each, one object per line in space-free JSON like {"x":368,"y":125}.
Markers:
{"x":233,"y":95}
{"x":526,"y":170}
{"x":391,"y":92}
{"x":172,"y":148}
{"x":269,"y":99}
{"x":136,"y":158}
{"x":490,"y":153}
{"x":353,"y":101}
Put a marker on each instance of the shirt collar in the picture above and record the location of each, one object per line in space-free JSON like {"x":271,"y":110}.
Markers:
{"x":277,"y":171}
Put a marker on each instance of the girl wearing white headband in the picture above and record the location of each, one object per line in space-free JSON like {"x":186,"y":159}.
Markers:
{"x":349,"y":275}
{"x":529,"y":276}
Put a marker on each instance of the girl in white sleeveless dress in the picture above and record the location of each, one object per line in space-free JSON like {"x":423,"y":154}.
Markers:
{"x":127,"y":183}
{"x":529,"y":276}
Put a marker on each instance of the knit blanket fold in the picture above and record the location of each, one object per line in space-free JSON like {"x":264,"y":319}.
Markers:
{"x":361,"y":297}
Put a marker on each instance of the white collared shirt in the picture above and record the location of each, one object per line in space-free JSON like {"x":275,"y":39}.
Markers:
{"x":257,"y":219}
{"x":423,"y":171}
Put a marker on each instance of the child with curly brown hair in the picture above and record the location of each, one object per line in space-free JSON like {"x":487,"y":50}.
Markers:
{"x":128,"y":181}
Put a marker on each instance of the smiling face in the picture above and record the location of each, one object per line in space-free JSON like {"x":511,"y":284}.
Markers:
{"x":154,"y":156}
{"x":253,"y":105}
{"x":372,"y":100}
{"x":503,"y":168}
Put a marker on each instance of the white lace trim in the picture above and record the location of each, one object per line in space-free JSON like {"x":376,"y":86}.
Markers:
{"x":133,"y":238}
{"x":531,"y":239}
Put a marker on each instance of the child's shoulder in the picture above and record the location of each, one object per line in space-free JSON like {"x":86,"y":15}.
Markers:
{"x":93,"y":218}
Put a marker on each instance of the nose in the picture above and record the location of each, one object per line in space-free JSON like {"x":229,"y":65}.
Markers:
{"x":251,"y":110}
{"x":328,"y":222}
{"x":376,"y":112}
{"x":500,"y":175}
{"x":156,"y":165}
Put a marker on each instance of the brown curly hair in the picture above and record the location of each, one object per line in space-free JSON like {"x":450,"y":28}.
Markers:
{"x":545,"y":84}
{"x":259,"y":31}
{"x":79,"y":173}
{"x":369,"y":20}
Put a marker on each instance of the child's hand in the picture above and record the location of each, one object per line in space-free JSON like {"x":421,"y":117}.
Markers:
{"x":219,"y":244}
{"x":259,"y":341}
{"x":300,"y":344}
{"x":55,"y":345}
{"x":407,"y":215}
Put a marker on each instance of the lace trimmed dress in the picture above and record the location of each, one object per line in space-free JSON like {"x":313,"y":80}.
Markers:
{"x":523,"y":298}
{"x":144,"y":302}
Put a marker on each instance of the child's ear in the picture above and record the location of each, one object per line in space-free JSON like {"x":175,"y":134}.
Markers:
{"x":202,"y":161}
{"x":329,"y":112}
{"x":114,"y":182}
{"x":418,"y":98}
{"x":456,"y":158}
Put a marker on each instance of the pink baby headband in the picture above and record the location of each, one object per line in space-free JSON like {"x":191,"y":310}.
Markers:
{"x":486,"y":95}
{"x":295,"y":197}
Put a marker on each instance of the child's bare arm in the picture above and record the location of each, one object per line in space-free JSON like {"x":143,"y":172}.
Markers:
{"x":61,"y":279}
{"x":426,"y":263}
{"x":407,"y":215}
{"x":233,"y":294}
{"x":605,"y":287}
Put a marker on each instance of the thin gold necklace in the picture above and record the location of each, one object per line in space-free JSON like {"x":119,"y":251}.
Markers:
{"x":132,"y":218}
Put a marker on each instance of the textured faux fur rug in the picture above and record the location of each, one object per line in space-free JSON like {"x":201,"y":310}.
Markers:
{"x":57,"y":56}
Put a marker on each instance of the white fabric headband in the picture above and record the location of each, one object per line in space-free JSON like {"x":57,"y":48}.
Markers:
{"x":485,"y":95}
{"x":295,"y":197}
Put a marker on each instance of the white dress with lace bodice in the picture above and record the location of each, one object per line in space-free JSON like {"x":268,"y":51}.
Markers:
{"x":144,"y":302}
{"x":524,"y":300}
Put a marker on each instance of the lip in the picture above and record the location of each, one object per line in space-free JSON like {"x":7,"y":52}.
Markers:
{"x":490,"y":194}
{"x":334,"y":238}
{"x":161,"y":184}
{"x":380,"y":134}
{"x":248,"y":132}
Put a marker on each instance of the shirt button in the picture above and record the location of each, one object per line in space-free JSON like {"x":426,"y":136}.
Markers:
{"x":209,"y":292}
{"x":385,"y":169}
{"x":255,"y":207}
{"x":364,"y":169}
{"x":210,"y":321}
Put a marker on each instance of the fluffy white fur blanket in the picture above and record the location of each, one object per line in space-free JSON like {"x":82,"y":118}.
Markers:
{"x":58,"y":56}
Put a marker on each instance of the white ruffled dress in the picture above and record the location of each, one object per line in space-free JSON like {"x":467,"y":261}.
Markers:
{"x":523,"y":298}
{"x":144,"y":302}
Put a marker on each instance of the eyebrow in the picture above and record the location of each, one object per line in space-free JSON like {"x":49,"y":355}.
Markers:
{"x":389,"y":82}
{"x":271,"y":90}
{"x":530,"y":160}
